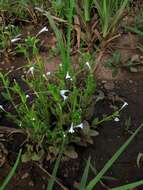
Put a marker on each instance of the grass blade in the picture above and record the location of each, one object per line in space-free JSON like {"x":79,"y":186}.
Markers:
{"x":11,"y":173}
{"x":85,"y":175}
{"x":58,"y":36}
{"x":134,"y":30}
{"x":110,"y":13}
{"x":64,"y":49}
{"x":93,"y":182}
{"x":70,"y":16}
{"x":53,"y":177}
{"x":117,"y":17}
{"x":129,"y":186}
{"x":86,"y":6}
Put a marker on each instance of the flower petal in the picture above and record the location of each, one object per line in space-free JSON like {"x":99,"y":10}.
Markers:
{"x":117,"y":119}
{"x":44,"y":29}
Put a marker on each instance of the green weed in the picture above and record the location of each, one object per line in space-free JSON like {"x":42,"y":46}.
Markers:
{"x":110,"y":13}
{"x":53,"y":107}
{"x":11,"y":173}
{"x":8,"y":35}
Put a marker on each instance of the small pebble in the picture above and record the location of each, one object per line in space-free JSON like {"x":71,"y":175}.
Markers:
{"x":103,"y":81}
{"x":130,"y":81}
{"x":25,"y":176}
{"x":135,"y":58}
{"x":31,"y":183}
{"x":12,"y":67}
{"x":109,"y":85}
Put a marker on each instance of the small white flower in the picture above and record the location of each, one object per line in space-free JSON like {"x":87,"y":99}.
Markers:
{"x":79,"y":126}
{"x":20,"y":124}
{"x":33,"y":119}
{"x":71,"y":130}
{"x":116,"y":119}
{"x":68,"y":76}
{"x":44,"y":76}
{"x":124,"y":105}
{"x":88,"y":65}
{"x":62,"y":93}
{"x":1,"y":107}
{"x":45,"y":29}
{"x":48,"y":73}
{"x":31,"y":70}
{"x":60,"y":65}
{"x":27,"y":96}
{"x":15,"y":39}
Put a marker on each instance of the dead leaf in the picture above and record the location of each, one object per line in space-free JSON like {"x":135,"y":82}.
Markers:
{"x":77,"y":29}
{"x":70,"y":152}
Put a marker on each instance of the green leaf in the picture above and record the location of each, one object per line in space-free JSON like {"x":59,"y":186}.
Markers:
{"x":134,"y":30}
{"x":37,"y":156}
{"x":114,"y":71}
{"x":94,"y":181}
{"x":26,"y":157}
{"x":117,"y":57}
{"x":129,"y":186}
{"x":11,"y":173}
{"x":85,"y":175}
{"x":109,"y":64}
{"x":5,"y":95}
{"x":53,"y":177}
{"x":70,"y":152}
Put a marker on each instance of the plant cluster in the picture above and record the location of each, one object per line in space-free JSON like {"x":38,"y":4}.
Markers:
{"x":54,"y":106}
{"x":7,"y":35}
{"x":85,"y":16}
{"x":52,"y":110}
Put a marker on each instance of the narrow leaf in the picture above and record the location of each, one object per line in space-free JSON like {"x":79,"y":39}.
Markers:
{"x":129,"y":186}
{"x":53,"y":177}
{"x":85,"y":175}
{"x":93,"y":182}
{"x":11,"y":173}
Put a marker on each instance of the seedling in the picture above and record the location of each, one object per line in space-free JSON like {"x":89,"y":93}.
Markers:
{"x":8,"y":36}
{"x":110,"y":13}
{"x":114,"y":63}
